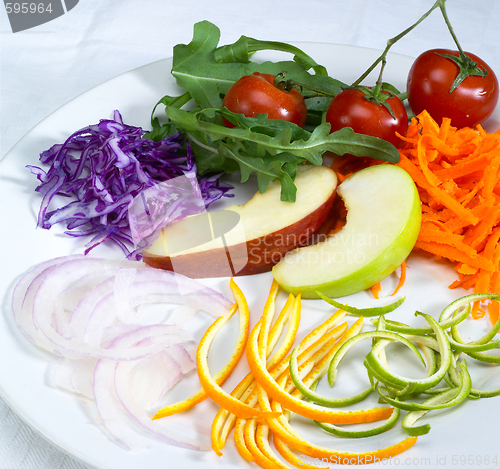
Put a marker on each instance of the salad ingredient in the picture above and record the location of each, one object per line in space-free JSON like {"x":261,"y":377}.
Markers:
{"x":313,"y":355}
{"x":365,"y":312}
{"x":272,"y":149}
{"x":269,"y":148}
{"x":316,"y":353}
{"x":408,"y":423}
{"x":377,"y":288}
{"x":100,"y":169}
{"x":88,"y":311}
{"x":312,"y":395}
{"x":456,"y":171}
{"x":216,"y":393}
{"x":246,"y":389}
{"x":249,"y":238}
{"x":383,"y":222}
{"x":257,"y":94}
{"x":358,"y":109}
{"x":270,"y":386}
{"x":228,"y":368}
{"x":285,"y":443}
{"x":439,"y":339}
{"x":347,"y":433}
{"x":451,"y":84}
{"x":379,"y":369}
{"x":402,"y":278}
{"x":207,"y":70}
{"x":42,"y":319}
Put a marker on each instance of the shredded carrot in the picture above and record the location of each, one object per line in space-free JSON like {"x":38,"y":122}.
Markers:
{"x":402,"y":278}
{"x":457,"y":173}
{"x":376,"y":290}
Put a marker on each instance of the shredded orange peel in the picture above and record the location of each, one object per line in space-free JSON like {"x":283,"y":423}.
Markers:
{"x":286,"y":437}
{"x":209,"y":384}
{"x":224,"y":421}
{"x":252,"y":434}
{"x":296,"y":405}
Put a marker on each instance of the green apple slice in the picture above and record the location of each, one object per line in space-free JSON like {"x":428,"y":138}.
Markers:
{"x":383,"y":222}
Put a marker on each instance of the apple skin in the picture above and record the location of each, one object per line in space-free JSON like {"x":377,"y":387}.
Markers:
{"x":377,"y":268}
{"x":259,"y":253}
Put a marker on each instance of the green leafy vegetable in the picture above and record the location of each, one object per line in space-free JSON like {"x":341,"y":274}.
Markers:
{"x":207,"y":71}
{"x":269,"y":148}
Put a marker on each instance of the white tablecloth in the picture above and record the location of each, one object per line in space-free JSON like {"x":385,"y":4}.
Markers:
{"x":44,"y":67}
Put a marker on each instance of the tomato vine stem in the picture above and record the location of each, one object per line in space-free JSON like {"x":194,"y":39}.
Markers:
{"x":383,"y":57}
{"x":466,"y":65}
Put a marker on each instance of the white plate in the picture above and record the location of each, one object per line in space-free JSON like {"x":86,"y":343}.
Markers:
{"x":64,"y":419}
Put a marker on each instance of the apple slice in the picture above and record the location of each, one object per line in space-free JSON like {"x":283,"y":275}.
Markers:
{"x":249,"y":238}
{"x":383,"y":222}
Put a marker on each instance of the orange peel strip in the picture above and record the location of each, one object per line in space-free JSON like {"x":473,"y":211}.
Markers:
{"x":291,"y":457}
{"x":310,"y":358}
{"x":325,"y":356}
{"x":250,"y":439}
{"x":262,"y":439}
{"x":239,"y":440}
{"x":313,"y":342}
{"x":221,"y":376}
{"x":251,"y":394}
{"x":213,"y":390}
{"x":224,"y":420}
{"x":340,"y":457}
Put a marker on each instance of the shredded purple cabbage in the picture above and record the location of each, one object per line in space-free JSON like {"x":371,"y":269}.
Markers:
{"x":103,"y":167}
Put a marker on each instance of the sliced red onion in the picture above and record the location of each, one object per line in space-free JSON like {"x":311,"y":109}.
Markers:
{"x":63,"y":372}
{"x":66,"y":273}
{"x":92,"y":312}
{"x":184,"y":359}
{"x":24,"y":291}
{"x":151,"y":377}
{"x":76,"y":375}
{"x":113,"y":419}
{"x":137,"y":413}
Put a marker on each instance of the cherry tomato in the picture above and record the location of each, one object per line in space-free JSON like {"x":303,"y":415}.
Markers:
{"x":350,"y":108}
{"x":430,"y":80}
{"x":256,"y":94}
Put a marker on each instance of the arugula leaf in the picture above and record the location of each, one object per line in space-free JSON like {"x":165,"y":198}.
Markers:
{"x":245,"y":47}
{"x":206,"y":72}
{"x":270,"y":148}
{"x":277,"y":136}
{"x":266,"y":169}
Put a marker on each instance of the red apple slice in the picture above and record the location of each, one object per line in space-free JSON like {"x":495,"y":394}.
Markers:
{"x":250,"y":238}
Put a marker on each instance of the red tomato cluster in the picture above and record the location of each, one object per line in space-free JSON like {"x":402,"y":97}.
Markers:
{"x":429,"y":86}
